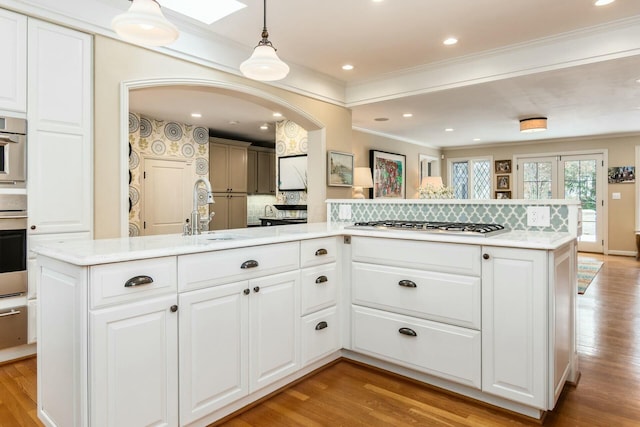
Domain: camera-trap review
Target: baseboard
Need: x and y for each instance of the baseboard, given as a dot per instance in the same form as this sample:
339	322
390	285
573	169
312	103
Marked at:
622	253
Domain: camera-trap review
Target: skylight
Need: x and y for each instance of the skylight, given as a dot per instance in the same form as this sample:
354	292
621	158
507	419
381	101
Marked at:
206	11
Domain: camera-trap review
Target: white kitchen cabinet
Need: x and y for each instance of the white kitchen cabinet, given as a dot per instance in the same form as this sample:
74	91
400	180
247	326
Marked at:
236	339
134	359
515	324
13	73
60	180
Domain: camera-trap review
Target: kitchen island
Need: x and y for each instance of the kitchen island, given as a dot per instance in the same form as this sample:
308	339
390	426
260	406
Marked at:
184	330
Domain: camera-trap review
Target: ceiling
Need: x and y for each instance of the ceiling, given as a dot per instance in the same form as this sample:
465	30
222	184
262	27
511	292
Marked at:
568	60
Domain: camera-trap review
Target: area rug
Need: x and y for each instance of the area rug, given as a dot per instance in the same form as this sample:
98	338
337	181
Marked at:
587	270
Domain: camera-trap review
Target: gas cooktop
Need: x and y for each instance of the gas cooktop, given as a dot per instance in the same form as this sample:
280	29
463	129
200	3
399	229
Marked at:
456	228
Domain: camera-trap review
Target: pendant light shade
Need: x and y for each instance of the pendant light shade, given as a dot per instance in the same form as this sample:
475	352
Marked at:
264	64
145	24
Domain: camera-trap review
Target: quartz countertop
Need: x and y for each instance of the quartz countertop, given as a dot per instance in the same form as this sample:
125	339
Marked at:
103	251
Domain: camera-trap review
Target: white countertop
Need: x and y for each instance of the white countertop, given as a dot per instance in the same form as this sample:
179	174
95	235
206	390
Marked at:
102	251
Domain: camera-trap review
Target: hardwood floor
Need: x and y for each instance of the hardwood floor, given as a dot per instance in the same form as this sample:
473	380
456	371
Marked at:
348	394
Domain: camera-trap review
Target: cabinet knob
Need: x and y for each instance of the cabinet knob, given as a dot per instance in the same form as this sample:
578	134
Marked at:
407	284
322	325
320	252
33	227
256	289
174	308
252	263
321	279
246	291
408	331
486	256
138	281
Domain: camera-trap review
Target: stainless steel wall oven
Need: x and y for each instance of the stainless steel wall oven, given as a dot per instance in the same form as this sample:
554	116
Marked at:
13	149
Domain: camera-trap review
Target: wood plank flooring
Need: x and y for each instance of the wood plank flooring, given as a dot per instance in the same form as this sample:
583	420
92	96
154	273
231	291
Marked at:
348	394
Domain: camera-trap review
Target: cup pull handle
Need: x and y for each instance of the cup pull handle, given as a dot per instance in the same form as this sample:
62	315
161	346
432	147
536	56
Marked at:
322	279
408	331
407	284
322	325
138	281
252	263
320	252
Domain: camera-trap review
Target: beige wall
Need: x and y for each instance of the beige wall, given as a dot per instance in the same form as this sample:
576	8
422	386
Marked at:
363	142
117	62
621	152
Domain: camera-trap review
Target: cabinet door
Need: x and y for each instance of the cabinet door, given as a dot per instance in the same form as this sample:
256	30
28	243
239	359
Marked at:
273	328
237	211
514	325
13	73
133	356
252	172
213	349
264	172
237	169
272	173
59	184
218	167
220	220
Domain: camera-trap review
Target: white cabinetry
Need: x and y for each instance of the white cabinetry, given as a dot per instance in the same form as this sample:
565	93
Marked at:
59	184
238	325
13	73
417	304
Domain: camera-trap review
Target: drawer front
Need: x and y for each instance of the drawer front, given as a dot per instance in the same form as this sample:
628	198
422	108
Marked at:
442	297
132	280
318	251
441	350
442	257
320	335
196	271
319	288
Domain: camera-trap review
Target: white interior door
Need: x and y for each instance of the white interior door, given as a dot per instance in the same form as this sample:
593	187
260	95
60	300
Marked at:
167	195
573	177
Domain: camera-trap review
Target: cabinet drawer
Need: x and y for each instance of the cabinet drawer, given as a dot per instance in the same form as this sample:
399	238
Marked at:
115	283
443	257
320	335
442	350
318	251
198	271
442	297
319	288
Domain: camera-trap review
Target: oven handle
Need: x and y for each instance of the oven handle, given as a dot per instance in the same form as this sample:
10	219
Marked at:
10	138
10	313
19	216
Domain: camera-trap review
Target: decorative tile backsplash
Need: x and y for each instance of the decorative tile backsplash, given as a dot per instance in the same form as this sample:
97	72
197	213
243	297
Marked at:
512	215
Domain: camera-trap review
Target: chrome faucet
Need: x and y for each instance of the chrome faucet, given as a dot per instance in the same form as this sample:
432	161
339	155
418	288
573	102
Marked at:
197	224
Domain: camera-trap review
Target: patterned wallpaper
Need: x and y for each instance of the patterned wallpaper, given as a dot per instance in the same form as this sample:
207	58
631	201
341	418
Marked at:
159	139
291	139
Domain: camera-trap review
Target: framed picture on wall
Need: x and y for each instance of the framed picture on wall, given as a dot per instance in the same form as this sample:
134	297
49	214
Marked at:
339	169
503	166
502	182
292	173
503	194
389	175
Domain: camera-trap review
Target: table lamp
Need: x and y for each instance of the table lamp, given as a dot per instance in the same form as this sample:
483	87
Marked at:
361	179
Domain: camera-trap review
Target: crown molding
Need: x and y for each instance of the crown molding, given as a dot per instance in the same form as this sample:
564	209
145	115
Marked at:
396	138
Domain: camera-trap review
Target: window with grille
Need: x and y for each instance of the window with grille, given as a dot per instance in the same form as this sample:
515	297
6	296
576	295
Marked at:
471	178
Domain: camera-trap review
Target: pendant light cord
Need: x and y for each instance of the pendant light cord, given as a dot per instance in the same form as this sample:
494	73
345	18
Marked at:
265	34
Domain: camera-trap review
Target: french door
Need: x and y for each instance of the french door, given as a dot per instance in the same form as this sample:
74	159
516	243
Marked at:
573	177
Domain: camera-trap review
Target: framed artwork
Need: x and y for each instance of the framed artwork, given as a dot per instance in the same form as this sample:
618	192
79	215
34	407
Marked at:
292	173
339	169
502	182
622	174
389	175
503	166
503	194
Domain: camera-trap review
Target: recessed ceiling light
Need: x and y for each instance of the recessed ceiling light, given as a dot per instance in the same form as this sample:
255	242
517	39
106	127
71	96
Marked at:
264	126
603	2
381	119
450	41
347	67
204	10
196	115
377	1
448	130
638	81
476	140
234	122
277	114
407	115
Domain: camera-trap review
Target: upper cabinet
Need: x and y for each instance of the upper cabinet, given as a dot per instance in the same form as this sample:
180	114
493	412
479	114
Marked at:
228	166
261	172
13	72
60	146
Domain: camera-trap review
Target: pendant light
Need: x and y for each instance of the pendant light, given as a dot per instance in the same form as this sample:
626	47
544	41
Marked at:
145	24
264	64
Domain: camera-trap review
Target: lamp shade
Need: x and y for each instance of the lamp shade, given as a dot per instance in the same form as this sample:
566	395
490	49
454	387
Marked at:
534	124
264	65
145	24
362	178
434	181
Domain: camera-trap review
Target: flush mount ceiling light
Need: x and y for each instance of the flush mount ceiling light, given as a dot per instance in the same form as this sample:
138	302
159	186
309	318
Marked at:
533	124
145	24
264	64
